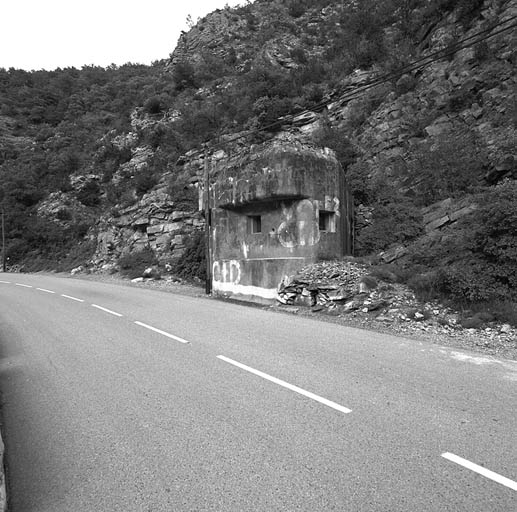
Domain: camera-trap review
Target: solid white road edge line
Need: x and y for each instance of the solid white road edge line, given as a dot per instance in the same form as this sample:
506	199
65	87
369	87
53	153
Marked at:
159	331
481	470
45	290
72	298
106	310
296	389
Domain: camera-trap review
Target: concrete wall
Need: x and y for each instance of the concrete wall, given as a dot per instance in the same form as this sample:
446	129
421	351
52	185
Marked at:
288	190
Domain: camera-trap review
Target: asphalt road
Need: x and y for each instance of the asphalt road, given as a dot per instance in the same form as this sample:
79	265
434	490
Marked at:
124	399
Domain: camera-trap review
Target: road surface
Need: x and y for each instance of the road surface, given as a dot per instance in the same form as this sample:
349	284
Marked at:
127	399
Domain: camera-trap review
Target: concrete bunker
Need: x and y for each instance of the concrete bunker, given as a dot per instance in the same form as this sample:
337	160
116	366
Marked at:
283	207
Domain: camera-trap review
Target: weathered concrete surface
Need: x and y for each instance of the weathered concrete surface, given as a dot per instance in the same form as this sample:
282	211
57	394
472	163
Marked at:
285	207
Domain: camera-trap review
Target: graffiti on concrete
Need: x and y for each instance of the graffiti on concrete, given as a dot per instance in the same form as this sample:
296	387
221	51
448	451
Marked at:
299	227
226	271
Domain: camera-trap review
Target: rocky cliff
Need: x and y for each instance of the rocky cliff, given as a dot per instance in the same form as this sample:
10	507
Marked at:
417	99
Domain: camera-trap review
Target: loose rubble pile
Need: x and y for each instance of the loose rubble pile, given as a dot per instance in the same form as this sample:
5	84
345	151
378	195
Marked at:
322	285
345	289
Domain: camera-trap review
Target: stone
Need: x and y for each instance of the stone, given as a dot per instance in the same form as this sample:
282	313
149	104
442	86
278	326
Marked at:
506	163
301	300
142	221
137	280
505	328
437	129
454	216
393	254
339	295
153	230
172	227
383	318
367	283
438	223
376	304
178	215
476	111
163	240
151	273
352	305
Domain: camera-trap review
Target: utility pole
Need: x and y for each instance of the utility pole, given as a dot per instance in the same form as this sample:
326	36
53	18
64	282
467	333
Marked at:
4	264
208	236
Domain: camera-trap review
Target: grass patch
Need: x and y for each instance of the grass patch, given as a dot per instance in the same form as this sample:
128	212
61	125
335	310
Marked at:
132	265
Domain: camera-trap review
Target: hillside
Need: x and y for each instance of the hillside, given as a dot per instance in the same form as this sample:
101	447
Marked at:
93	161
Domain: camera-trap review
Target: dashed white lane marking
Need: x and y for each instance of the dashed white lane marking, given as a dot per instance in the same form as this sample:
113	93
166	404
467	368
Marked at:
45	290
481	470
296	389
71	298
106	310
5	282
24	285
159	331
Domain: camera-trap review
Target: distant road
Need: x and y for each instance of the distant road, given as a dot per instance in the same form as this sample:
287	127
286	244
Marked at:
124	399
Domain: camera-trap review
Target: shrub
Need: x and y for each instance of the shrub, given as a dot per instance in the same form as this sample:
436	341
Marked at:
296	8
473	322
476	260
462	99
336	139
145	181
504	311
267	111
384	274
64	214
468	10
358	181
488	269
184	195
362	107
298	55
193	262
80	254
392	223
153	106
493	311
90	194
482	51
428	285
133	264
184	75
390	273
450	166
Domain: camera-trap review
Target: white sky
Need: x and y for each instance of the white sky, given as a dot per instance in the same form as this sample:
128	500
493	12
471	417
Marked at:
46	34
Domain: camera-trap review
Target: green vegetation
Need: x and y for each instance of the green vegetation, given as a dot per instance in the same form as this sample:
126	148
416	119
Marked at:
133	264
475	263
52	125
276	58
192	265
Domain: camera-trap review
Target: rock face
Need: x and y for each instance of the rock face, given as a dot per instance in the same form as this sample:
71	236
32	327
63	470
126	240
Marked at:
472	91
153	222
63	208
210	33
